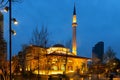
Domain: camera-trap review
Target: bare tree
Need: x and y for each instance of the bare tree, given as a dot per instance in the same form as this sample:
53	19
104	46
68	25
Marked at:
3	3
68	44
109	55
40	38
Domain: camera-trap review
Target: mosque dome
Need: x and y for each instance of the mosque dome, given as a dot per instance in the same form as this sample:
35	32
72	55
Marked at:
58	45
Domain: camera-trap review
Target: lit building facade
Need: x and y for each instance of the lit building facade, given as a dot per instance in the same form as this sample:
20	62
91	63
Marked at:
54	60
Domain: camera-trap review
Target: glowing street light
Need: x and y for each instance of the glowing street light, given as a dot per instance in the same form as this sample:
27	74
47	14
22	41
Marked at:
15	21
6	9
13	32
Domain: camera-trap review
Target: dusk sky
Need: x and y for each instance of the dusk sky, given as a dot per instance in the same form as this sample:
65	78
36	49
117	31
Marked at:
98	20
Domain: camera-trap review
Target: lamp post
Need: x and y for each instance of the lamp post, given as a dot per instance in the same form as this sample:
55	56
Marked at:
9	2
10	37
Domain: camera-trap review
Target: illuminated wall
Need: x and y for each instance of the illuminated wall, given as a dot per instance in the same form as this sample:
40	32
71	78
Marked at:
41	59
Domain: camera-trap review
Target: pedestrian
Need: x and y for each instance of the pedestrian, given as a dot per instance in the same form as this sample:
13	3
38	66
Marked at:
60	77
111	77
50	77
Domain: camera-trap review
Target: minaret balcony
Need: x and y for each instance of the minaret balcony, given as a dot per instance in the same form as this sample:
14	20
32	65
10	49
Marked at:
74	24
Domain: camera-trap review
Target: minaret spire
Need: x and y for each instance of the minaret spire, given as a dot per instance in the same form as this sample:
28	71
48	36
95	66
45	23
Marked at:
74	12
74	25
74	22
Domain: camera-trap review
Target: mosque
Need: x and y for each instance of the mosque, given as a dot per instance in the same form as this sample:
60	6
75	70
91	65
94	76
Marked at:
53	60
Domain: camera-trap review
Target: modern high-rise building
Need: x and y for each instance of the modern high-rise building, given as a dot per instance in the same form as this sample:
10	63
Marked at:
3	44
98	52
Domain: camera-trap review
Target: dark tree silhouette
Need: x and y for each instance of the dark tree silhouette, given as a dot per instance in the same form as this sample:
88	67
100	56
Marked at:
40	38
109	55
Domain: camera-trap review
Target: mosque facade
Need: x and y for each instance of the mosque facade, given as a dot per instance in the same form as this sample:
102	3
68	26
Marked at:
54	60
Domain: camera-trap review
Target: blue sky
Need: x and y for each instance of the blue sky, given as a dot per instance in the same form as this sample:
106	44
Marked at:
98	20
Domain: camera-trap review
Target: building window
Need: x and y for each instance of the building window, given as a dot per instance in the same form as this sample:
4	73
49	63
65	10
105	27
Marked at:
55	68
62	67
70	68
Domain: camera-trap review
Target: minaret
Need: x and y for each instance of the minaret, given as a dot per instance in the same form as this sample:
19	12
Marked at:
74	25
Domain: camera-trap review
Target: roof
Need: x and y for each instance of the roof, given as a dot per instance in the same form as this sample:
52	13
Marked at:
58	45
36	46
66	55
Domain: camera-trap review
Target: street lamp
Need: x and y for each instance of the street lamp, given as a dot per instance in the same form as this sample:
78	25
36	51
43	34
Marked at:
13	32
9	2
14	21
6	9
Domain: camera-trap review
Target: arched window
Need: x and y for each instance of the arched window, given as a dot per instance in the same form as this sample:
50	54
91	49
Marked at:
54	67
